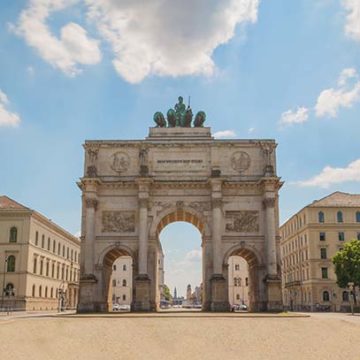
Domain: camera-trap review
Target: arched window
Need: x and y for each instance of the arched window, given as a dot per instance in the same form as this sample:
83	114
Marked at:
339	216
11	263
345	296
321	217
33	291
326	296
9	290
124	283
358	216
13	234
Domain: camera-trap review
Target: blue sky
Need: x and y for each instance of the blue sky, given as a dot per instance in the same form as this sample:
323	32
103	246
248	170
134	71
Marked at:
71	70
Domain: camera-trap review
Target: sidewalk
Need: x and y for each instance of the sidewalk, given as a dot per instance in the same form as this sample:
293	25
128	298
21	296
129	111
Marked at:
28	314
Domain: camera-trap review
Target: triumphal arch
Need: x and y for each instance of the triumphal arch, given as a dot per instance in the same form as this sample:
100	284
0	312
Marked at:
131	190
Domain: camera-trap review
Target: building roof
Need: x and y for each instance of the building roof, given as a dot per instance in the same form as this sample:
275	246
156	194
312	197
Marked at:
8	204
338	199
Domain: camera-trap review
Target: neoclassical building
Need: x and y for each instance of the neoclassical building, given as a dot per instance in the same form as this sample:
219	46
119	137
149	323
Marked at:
309	239
39	260
132	189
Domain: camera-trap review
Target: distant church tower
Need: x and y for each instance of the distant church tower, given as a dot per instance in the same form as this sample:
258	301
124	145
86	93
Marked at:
188	292
175	293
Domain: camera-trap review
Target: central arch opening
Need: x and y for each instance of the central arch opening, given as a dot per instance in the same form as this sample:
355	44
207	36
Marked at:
180	236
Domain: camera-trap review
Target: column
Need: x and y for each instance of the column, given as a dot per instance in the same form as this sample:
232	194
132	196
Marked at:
91	205
269	205
143	236
216	235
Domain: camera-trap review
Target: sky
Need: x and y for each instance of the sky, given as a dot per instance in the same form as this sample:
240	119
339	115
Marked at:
72	70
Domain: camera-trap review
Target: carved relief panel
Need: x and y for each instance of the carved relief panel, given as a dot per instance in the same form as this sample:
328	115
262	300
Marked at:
118	221
246	221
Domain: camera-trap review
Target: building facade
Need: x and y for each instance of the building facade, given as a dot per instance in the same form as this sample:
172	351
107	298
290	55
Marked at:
238	281
39	261
122	281
132	189
309	240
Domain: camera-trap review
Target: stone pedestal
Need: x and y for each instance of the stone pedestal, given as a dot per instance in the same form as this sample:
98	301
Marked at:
274	297
87	291
142	301
219	293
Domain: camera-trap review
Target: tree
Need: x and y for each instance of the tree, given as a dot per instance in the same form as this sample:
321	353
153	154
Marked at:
347	265
166	292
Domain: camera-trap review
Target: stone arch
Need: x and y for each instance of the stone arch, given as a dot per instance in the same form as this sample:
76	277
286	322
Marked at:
255	263
173	214
105	262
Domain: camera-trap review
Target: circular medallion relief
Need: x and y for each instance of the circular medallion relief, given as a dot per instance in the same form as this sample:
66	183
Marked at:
240	161
120	162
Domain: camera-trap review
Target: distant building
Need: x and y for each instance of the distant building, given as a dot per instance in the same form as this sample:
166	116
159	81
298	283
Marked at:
238	281
39	260
121	283
309	240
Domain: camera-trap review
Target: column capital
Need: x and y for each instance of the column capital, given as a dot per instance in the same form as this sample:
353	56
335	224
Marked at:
91	203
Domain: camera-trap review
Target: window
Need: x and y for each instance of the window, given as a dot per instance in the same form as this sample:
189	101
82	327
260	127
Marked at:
52	270
63	252
358	235
35	265
9	289
41	266
322	236
323	253
341	236
339	217
124	267
326	296
246	281
321	217
124	282
46	291
58	271
237	296
72	255
13	234
48	247
62	272
235	281
114	267
40	291
114	282
67	253
33	291
54	246
52	292
43	241
11	263
345	296
237	267
59	247
47	268
357	216
324	273
37	238
124	297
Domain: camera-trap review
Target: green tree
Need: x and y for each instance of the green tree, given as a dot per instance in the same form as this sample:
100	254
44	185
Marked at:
347	265
166	292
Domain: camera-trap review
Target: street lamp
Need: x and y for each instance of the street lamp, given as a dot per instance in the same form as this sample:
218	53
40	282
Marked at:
61	294
3	287
351	287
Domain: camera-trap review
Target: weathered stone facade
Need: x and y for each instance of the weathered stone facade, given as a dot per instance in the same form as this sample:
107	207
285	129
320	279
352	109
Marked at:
228	189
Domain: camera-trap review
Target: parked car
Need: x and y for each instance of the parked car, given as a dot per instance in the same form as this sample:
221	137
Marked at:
120	307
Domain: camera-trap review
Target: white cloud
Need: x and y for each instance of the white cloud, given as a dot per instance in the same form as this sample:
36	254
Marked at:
352	26
251	130
291	117
225	134
330	175
193	255
158	37
7	118
74	47
345	95
30	70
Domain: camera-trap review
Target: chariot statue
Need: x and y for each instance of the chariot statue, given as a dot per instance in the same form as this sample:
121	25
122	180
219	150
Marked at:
180	116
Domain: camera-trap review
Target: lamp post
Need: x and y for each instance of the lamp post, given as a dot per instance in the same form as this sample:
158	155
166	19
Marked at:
351	287
3	284
61	294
